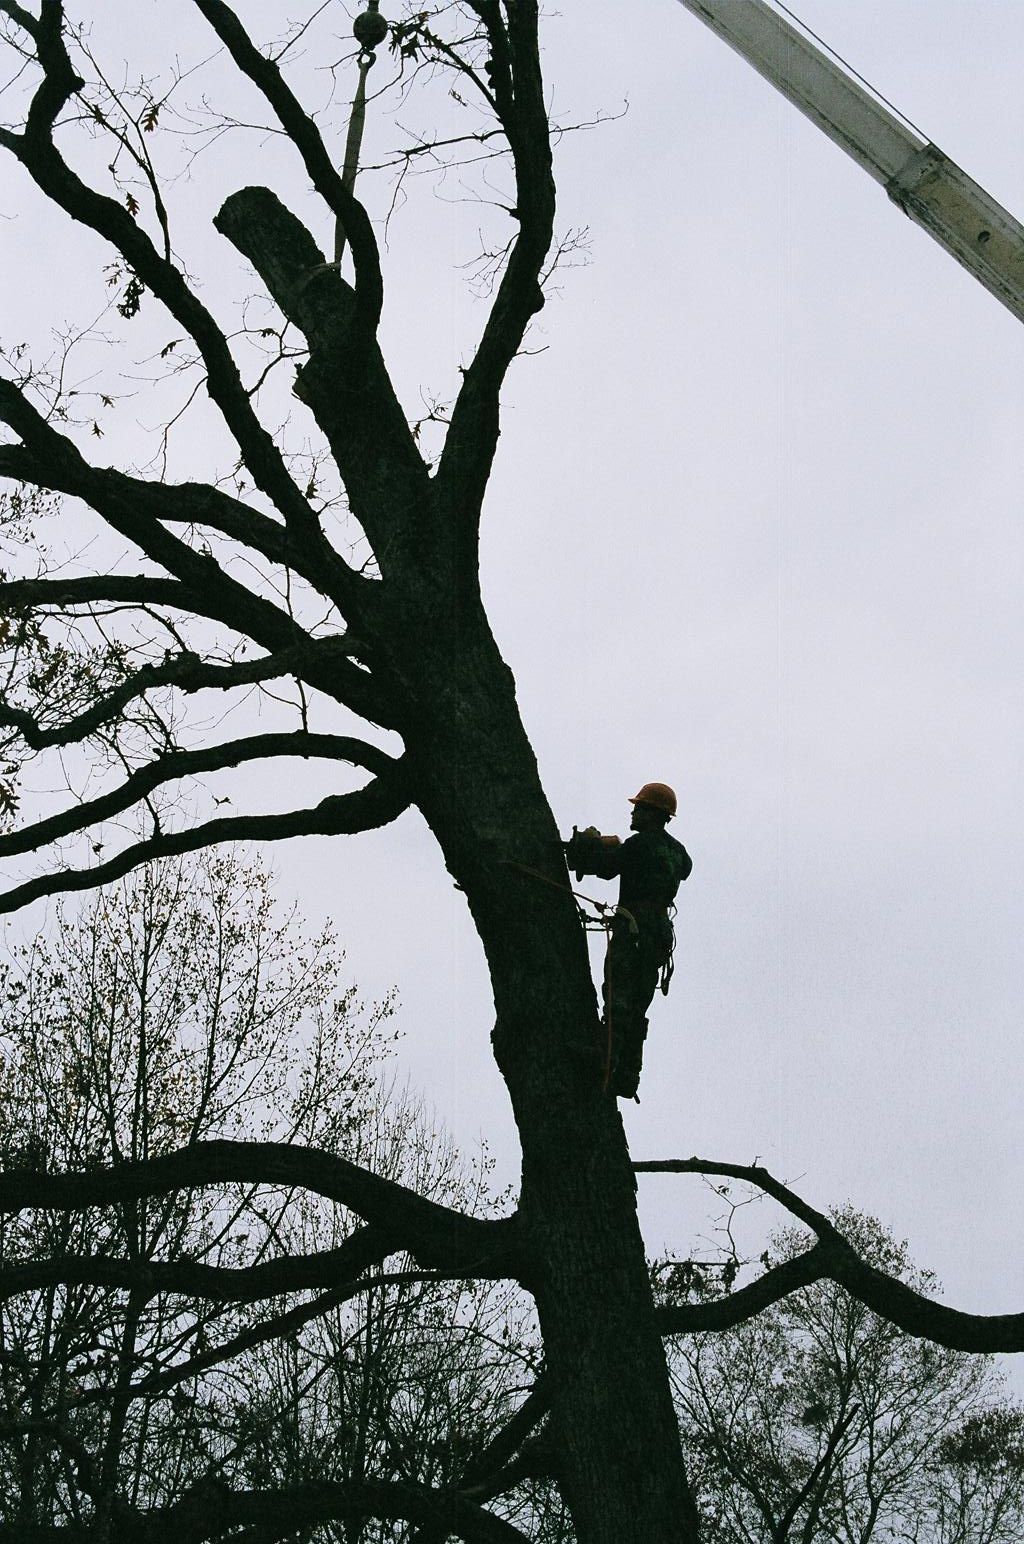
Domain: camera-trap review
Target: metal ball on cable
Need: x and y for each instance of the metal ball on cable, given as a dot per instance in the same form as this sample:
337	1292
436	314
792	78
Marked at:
369	29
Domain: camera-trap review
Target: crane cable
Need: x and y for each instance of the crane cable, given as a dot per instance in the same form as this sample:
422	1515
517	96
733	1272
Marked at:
370	30
849	68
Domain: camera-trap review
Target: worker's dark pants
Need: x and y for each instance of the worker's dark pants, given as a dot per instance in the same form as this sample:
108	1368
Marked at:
631	970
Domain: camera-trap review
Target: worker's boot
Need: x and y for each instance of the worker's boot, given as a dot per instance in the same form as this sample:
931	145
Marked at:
625	1078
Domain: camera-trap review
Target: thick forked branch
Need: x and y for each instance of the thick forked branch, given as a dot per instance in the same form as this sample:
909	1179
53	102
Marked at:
37	152
833	1258
181	764
344	382
378	804
305	136
519	95
437	1236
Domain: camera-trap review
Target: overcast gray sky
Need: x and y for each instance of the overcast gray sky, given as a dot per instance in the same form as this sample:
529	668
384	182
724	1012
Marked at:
755	530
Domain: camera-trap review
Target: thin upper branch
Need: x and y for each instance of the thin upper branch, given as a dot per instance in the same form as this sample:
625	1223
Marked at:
519	96
834	1258
323	664
199	505
37	152
123	503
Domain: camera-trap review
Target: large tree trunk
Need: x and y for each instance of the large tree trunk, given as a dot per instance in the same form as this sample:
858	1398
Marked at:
478	786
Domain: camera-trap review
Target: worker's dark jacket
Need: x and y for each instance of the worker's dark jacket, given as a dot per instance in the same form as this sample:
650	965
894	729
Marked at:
651	866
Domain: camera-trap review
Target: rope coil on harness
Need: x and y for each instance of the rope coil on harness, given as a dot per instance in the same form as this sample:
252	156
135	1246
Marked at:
370	29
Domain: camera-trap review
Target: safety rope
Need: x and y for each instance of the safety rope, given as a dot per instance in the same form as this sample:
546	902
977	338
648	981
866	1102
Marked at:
606	914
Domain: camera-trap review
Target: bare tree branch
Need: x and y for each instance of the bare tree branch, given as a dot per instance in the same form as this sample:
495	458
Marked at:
323	661
519	97
506	1442
203	1517
37	152
181	764
722	1313
753	1174
190	1278
380	802
495	1470
123	504
24	18
834	1257
279	1327
61	1437
195	504
212	1510
138	589
305	136
436	1236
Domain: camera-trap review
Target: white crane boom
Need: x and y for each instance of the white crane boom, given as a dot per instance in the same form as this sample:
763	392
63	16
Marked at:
926	184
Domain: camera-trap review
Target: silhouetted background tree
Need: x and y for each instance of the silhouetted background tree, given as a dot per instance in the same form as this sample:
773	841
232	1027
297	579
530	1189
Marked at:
166	1355
818	1420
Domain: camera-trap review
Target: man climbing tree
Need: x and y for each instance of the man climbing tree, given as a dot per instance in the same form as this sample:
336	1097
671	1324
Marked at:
650	866
316	548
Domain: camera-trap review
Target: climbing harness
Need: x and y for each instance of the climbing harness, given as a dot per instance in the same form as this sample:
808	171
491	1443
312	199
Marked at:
370	30
604	920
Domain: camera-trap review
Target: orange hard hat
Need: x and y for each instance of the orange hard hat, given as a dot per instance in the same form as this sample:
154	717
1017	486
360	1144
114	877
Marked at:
659	796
